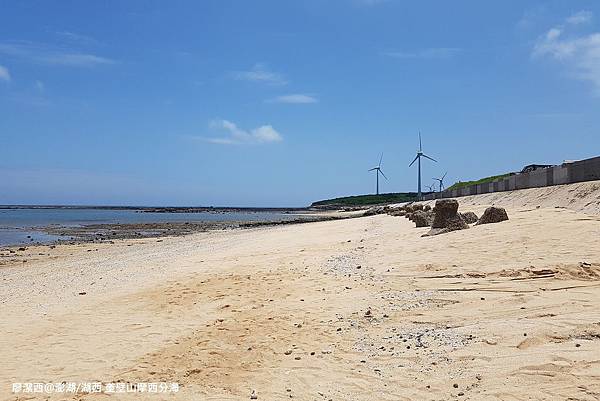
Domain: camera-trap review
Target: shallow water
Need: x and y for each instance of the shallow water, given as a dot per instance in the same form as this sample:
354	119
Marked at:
21	226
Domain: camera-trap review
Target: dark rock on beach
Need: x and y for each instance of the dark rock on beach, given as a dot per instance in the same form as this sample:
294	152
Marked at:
469	217
446	218
493	215
421	218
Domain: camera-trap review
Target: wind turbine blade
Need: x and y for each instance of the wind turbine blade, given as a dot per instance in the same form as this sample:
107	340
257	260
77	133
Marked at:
430	158
420	145
444	176
374	168
383	174
413	162
381	158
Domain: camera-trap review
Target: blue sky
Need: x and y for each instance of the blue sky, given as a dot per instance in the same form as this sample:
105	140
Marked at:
280	103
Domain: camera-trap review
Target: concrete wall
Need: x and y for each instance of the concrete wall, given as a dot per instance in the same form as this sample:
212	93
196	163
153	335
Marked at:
560	175
583	170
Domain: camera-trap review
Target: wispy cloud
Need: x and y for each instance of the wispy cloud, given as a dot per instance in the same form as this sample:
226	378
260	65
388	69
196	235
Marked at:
296	98
581	17
4	74
77	38
430	53
233	135
51	55
261	73
579	53
39	85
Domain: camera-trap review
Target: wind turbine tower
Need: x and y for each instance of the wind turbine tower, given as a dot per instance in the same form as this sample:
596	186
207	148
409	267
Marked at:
378	171
441	181
417	159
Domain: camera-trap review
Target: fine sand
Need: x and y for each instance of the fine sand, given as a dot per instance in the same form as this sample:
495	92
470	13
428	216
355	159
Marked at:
357	309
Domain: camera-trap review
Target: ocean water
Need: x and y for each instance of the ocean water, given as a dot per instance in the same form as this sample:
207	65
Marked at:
21	226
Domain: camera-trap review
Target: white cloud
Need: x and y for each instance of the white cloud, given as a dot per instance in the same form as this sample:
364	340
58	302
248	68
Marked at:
260	73
431	53
579	53
237	136
4	74
39	85
44	54
296	98
581	17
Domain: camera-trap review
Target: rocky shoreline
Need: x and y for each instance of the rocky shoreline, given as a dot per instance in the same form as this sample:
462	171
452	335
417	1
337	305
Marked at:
109	232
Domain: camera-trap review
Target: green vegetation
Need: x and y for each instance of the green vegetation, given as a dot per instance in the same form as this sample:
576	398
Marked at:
365	200
480	181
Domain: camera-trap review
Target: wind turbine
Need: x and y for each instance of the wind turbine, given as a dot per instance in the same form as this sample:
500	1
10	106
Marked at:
378	171
441	181
418	159
430	187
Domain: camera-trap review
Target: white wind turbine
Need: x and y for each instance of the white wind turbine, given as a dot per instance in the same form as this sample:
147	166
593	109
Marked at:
378	171
418	159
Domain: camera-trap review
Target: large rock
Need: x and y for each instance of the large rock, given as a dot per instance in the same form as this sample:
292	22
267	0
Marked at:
493	215
446	218
444	210
469	217
421	218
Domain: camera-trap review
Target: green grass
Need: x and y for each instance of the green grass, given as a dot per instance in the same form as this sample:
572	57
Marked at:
365	200
480	181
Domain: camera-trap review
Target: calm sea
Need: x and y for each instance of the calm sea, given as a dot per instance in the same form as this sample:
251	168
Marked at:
20	226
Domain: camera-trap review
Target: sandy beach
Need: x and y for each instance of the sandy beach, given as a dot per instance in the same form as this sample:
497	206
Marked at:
355	309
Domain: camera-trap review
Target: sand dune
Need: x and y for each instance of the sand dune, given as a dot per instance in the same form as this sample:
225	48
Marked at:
359	309
582	197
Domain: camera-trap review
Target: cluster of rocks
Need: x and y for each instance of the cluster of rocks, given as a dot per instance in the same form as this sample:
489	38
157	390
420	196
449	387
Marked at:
444	217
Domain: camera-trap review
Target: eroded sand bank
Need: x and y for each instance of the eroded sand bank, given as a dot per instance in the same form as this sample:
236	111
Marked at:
368	309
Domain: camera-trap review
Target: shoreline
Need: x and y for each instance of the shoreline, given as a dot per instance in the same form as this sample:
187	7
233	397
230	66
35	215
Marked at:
106	232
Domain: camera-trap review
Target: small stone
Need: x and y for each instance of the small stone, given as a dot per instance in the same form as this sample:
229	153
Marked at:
461	394
297	358
288	352
578	345
82	293
253	395
339	329
455	385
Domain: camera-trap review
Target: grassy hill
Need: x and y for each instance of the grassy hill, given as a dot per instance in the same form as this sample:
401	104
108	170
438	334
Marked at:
480	181
365	200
